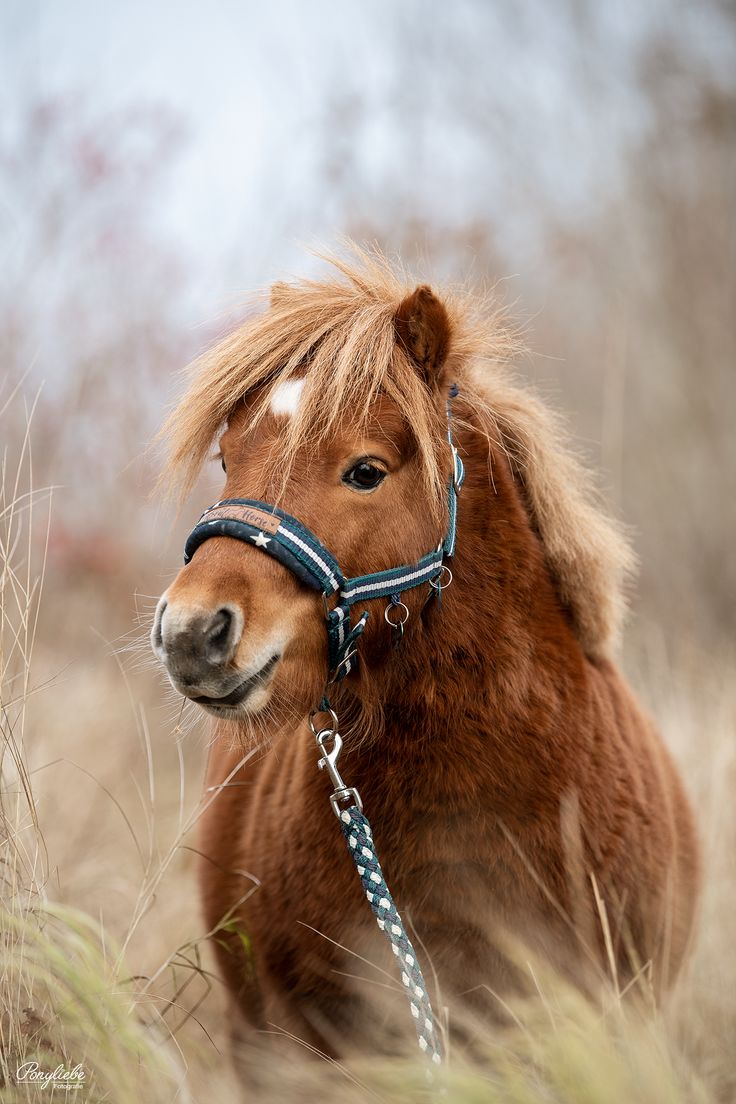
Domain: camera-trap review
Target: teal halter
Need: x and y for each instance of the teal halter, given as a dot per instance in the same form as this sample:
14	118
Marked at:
295	546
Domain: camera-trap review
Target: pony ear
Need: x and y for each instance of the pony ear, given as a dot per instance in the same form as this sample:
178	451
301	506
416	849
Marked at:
423	328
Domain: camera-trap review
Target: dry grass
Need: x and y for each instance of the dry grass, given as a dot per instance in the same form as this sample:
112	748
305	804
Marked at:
103	962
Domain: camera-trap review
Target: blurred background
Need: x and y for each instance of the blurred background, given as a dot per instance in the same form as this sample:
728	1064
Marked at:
159	161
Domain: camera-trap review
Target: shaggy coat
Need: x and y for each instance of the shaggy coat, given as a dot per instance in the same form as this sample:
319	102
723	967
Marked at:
519	796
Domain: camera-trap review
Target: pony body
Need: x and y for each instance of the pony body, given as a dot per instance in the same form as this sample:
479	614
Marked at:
514	786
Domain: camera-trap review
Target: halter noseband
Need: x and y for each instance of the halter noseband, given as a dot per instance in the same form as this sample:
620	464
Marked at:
295	546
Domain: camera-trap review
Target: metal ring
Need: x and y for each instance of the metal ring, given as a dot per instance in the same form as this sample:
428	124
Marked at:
323	731
396	606
322	735
438	586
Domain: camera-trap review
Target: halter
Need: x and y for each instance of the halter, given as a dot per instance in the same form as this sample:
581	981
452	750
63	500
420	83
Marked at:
289	541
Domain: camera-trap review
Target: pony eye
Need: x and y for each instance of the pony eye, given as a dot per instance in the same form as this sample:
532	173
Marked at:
224	465
364	476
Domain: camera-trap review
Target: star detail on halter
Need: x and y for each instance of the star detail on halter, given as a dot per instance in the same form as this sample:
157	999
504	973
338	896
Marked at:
261	540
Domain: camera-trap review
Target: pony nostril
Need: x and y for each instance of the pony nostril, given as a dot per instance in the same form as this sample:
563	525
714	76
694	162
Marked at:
157	638
221	636
219	630
190	642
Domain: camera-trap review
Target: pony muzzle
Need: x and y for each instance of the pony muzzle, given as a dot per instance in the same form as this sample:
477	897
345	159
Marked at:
198	646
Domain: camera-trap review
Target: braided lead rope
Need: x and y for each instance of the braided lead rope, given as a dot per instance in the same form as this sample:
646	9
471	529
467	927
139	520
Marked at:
357	832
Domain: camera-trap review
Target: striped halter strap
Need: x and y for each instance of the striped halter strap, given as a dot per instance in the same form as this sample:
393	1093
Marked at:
296	547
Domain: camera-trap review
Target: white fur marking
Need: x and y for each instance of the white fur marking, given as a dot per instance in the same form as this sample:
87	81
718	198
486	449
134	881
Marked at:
286	396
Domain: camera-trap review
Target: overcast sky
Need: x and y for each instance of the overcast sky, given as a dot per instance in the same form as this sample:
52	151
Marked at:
255	85
248	81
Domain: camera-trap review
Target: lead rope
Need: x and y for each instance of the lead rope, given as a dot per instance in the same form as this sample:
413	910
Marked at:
359	838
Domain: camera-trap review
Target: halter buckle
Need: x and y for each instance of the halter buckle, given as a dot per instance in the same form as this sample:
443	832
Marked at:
338	674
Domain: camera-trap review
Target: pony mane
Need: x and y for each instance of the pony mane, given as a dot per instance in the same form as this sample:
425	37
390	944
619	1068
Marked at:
340	336
587	551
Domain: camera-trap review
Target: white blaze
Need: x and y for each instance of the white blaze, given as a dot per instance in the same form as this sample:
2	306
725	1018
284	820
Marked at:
286	396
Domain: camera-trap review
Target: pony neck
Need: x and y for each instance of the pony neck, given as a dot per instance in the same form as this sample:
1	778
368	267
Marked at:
501	638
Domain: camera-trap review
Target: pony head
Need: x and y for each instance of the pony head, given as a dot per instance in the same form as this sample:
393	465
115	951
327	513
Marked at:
332	406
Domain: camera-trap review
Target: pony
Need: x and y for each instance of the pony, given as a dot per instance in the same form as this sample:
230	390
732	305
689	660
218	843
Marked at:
517	790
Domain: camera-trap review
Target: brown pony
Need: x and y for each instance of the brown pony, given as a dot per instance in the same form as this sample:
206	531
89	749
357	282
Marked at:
512	781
